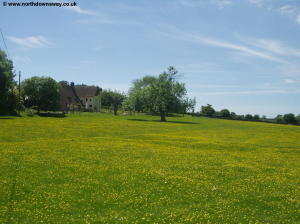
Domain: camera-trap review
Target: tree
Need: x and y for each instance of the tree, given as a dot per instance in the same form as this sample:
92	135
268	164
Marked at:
225	113
189	105
298	119
256	117
279	119
249	117
240	117
207	110
161	95
138	95
40	92
289	119
165	94
8	98
233	115
112	99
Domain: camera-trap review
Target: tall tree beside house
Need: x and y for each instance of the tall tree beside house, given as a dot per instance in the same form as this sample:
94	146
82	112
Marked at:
40	92
112	99
8	98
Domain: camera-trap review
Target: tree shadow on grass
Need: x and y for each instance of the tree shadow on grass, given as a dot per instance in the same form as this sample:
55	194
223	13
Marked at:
4	118
175	122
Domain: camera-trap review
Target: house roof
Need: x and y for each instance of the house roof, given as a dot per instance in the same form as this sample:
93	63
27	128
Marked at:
67	94
86	91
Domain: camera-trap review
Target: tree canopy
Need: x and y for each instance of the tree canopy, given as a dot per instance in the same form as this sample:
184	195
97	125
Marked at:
7	85
207	110
138	94
112	99
40	92
225	113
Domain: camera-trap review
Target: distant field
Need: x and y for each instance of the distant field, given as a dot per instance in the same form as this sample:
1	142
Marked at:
97	168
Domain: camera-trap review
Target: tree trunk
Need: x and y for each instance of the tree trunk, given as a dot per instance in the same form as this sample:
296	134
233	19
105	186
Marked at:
115	110
163	116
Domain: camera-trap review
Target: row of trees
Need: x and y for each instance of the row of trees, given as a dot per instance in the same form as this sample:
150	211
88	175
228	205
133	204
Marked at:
209	111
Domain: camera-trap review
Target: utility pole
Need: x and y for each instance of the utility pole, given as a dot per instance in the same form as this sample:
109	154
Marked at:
20	87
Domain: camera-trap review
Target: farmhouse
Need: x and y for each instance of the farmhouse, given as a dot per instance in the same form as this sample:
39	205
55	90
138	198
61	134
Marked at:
79	97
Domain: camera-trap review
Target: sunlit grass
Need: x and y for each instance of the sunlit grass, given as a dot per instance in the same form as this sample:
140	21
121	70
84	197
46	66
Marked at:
97	168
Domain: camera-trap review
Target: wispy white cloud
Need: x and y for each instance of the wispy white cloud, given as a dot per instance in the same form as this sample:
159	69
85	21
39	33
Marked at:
221	3
189	3
290	81
271	45
31	42
298	19
258	3
204	40
99	17
79	10
291	10
288	10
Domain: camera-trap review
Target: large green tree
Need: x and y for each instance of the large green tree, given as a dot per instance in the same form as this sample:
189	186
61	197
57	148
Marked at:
7	85
112	99
166	94
40	92
162	95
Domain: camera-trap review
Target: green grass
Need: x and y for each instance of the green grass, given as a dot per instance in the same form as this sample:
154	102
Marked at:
97	168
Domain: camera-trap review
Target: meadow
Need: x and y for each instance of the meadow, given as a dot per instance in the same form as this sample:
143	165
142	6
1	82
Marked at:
100	168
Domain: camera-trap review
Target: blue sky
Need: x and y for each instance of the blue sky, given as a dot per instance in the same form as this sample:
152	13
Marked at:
243	55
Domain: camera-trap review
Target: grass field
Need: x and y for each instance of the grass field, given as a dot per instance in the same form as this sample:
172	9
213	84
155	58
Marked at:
97	168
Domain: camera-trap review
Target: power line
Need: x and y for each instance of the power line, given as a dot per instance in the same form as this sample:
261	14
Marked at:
4	43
